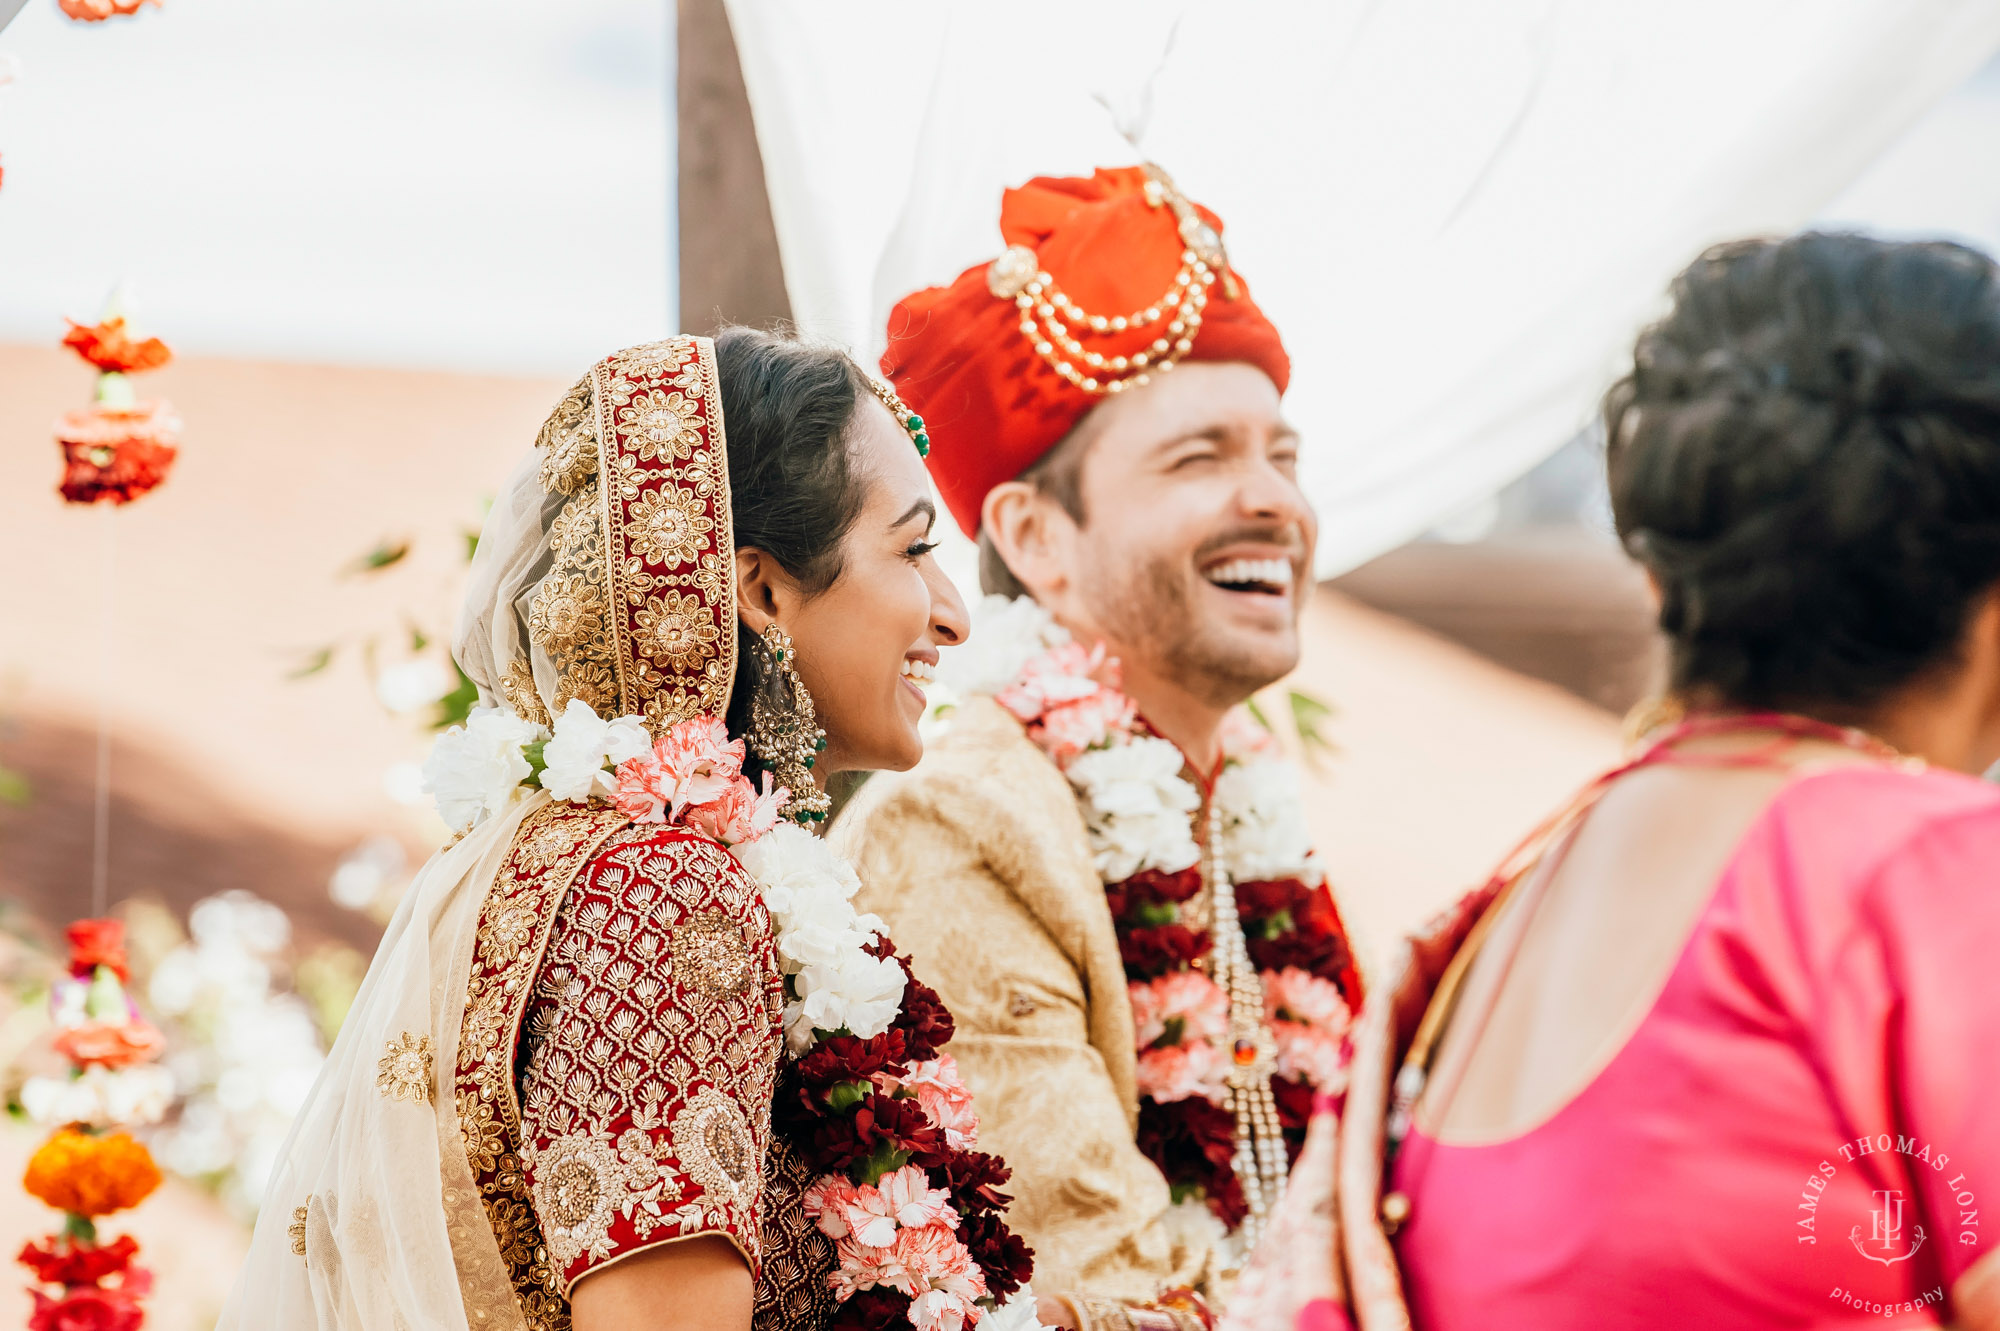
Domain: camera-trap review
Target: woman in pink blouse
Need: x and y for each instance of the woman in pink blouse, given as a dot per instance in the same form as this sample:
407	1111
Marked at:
1720	1047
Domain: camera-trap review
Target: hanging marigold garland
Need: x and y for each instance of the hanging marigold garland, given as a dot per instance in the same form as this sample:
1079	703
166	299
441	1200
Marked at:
119	447
91	1166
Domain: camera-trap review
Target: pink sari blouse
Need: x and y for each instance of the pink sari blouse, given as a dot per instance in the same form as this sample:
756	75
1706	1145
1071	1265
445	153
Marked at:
1803	1131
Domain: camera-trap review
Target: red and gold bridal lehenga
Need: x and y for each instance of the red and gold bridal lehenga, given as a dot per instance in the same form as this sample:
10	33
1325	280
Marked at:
1798	1132
571	1043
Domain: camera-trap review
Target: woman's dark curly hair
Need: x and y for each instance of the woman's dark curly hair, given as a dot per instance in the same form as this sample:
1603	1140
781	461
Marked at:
1806	456
787	407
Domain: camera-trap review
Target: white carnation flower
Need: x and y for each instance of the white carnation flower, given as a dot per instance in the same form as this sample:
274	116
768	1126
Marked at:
1136	806
1018	1313
1007	634
859	992
101	1097
1264	832
583	743
475	769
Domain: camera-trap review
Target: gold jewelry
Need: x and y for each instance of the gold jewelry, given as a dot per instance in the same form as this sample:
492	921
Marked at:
1018	274
912	424
783	733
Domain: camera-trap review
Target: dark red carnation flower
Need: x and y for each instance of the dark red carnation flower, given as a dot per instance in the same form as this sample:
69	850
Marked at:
1258	901
843	1058
1157	949
1151	886
878	1309
1295	1102
974	1180
1194	1142
58	1261
925	1022
900	1125
1007	1262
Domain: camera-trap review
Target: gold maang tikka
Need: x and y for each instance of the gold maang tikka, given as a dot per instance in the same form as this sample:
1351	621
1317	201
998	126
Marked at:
784	733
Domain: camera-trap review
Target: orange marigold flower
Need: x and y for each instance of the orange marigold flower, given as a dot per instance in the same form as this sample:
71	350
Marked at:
113	1044
89	1175
110	348
94	943
116	453
96	11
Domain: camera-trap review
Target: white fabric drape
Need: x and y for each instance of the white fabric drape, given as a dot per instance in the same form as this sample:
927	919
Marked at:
1457	211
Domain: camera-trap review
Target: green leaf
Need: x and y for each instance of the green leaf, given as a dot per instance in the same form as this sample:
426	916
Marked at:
312	664
1155	913
385	554
471	543
418	639
886	1160
847	1094
1257	713
1309	715
14	787
454	707
537	763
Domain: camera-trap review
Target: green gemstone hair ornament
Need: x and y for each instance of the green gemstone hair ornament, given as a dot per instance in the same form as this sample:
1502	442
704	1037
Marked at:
912	423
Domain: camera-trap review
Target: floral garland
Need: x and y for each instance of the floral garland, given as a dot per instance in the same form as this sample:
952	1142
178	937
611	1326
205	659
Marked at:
870	1101
90	1166
119	447
1140	810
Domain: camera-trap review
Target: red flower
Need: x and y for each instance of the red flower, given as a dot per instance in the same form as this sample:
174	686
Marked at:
974	1179
1005	1260
96	11
925	1022
89	1308
1295	1102
1157	949
94	943
1262	900
1193	1141
59	1261
878	1309
107	345
116	453
844	1058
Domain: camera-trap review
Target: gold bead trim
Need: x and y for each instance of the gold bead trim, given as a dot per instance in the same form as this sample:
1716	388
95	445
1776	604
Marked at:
1055	325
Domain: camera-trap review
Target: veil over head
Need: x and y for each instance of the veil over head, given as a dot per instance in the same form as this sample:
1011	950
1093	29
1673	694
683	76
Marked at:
605	574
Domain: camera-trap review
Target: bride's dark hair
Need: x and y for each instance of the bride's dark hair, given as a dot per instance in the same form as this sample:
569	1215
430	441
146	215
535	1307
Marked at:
787	406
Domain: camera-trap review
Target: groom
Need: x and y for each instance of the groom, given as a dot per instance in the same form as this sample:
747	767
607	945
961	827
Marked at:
1105	401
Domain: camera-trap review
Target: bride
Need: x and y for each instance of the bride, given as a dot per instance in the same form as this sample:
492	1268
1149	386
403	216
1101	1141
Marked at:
627	1056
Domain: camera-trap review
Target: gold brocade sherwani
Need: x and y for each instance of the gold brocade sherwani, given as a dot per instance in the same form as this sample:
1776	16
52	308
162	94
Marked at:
979	862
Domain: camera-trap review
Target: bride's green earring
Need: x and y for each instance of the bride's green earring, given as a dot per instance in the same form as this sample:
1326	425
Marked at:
784	734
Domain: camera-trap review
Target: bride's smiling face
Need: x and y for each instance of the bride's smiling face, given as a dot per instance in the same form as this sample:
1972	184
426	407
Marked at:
867	643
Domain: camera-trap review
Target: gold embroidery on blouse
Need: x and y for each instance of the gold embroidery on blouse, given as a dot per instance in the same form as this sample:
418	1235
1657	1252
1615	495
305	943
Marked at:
297	1230
709	955
405	1070
714	1145
496	994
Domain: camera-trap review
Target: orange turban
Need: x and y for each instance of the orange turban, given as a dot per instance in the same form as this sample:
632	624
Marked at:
1138	280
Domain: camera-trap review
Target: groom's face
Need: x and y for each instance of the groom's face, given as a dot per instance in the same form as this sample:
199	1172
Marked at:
1194	552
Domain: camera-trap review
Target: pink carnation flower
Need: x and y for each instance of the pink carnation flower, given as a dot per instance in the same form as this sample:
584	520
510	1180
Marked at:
930	1258
1178	1006
1077	727
693	763
1311	1054
874	1216
1243	738
945	1099
1297	995
1064	674
739	814
1181	1071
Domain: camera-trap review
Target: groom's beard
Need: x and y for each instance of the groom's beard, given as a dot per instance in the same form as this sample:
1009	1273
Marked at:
1162	614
